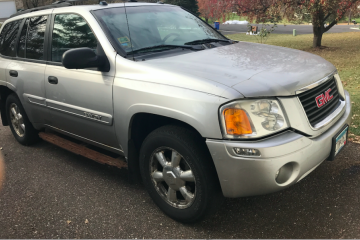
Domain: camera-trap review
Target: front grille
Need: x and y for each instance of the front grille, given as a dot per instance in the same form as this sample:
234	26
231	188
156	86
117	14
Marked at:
313	112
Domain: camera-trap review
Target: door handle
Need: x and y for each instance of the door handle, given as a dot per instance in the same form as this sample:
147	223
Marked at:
13	73
53	80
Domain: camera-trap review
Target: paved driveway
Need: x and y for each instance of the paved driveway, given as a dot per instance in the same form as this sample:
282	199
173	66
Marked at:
288	29
48	187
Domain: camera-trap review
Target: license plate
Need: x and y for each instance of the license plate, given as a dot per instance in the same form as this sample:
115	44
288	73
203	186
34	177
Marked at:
339	141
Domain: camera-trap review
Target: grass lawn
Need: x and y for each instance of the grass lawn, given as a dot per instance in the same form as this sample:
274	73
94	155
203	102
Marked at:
346	20
343	51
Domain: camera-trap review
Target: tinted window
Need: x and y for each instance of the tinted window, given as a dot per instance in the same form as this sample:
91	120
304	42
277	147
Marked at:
35	38
22	40
71	31
8	37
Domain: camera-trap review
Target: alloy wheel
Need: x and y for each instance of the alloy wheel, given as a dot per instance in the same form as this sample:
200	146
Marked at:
172	177
17	120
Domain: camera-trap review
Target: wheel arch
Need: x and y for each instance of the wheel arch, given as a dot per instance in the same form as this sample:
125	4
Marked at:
140	126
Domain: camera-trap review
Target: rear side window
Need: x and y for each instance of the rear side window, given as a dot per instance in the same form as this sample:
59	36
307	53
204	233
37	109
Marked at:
8	37
31	41
35	38
70	31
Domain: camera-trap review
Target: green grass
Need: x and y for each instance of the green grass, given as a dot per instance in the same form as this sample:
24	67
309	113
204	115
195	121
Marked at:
346	20
342	50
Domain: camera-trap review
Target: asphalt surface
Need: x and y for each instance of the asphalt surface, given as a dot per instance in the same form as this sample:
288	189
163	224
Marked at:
52	193
288	29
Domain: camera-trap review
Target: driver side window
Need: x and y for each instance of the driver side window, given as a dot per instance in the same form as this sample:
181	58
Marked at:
71	31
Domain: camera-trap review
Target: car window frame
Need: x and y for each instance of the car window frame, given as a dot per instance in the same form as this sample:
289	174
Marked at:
45	40
51	29
17	36
45	54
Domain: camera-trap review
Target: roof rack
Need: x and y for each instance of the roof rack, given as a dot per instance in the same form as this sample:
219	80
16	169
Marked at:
58	4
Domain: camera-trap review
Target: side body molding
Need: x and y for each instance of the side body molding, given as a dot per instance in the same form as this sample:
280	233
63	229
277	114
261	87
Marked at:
91	115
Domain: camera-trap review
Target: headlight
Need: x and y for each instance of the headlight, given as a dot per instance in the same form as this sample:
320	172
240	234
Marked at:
252	118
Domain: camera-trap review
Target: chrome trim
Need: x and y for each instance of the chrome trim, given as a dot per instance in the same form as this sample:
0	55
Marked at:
35	99
340	86
79	111
335	113
106	147
313	85
329	118
340	109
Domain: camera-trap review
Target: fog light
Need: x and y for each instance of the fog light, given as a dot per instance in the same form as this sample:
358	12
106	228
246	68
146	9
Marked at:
284	173
247	152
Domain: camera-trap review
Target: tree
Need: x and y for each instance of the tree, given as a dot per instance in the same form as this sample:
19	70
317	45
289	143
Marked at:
31	3
320	11
205	9
190	5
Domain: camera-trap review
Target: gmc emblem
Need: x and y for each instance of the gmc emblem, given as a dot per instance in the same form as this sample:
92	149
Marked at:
322	99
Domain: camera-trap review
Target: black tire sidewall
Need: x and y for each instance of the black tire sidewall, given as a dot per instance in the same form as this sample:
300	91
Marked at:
189	148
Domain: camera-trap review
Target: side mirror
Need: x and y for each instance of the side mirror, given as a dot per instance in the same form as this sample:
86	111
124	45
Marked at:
80	58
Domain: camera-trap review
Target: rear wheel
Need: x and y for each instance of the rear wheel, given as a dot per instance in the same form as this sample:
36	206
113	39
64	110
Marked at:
179	175
20	125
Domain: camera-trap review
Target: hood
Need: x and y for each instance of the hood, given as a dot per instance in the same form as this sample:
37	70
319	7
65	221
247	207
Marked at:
252	69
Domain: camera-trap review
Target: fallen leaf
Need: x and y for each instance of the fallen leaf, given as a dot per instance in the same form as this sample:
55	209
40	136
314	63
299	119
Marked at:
86	221
68	221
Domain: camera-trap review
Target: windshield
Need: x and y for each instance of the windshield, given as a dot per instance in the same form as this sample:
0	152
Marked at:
153	26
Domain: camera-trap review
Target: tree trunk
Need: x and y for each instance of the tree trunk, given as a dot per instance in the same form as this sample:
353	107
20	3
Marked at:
349	17
206	20
318	33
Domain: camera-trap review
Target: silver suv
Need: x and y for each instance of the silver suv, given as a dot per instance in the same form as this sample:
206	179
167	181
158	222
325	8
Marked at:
197	115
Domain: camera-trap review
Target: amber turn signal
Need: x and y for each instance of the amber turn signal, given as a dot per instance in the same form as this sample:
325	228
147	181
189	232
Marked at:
237	122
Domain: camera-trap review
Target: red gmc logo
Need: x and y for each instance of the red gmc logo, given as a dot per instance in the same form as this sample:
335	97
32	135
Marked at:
322	99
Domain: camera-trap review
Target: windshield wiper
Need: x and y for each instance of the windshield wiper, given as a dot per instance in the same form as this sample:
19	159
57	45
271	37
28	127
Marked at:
164	47
208	40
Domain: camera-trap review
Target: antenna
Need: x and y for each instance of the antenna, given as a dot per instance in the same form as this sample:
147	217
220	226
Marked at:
127	20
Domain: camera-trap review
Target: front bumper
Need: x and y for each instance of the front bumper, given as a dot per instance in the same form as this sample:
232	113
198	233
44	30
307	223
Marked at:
241	177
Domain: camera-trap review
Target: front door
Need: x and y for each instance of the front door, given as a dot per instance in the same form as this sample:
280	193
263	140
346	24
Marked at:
79	101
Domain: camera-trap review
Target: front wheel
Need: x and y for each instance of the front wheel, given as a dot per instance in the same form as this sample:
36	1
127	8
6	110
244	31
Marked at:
179	174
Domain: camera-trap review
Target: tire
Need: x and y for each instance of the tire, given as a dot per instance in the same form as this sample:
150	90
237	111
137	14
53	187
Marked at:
188	189
20	126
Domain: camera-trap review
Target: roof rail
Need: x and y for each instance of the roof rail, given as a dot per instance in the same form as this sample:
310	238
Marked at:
54	5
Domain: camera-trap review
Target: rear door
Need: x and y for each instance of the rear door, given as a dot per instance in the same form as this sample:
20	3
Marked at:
8	36
79	101
25	73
